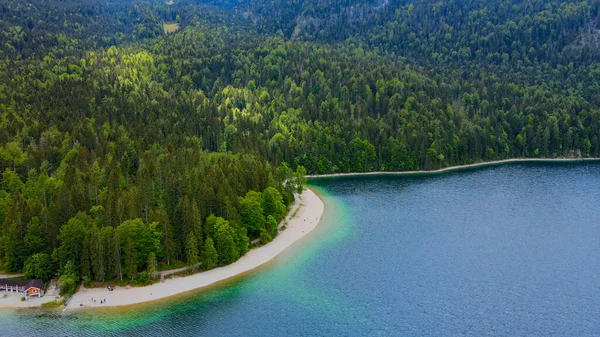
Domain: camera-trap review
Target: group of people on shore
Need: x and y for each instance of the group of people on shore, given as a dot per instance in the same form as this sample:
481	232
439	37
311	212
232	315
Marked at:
101	301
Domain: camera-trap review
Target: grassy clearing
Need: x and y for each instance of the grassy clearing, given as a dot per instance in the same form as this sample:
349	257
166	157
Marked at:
54	304
171	27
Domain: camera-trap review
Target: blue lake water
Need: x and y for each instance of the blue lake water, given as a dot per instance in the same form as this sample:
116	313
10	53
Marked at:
506	250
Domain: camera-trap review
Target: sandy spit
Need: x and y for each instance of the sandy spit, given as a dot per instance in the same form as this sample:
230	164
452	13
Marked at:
311	209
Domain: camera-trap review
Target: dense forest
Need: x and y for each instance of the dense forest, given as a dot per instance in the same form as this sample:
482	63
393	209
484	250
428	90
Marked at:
124	146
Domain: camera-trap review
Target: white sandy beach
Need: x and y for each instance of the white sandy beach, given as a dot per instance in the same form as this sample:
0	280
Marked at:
454	168
311	209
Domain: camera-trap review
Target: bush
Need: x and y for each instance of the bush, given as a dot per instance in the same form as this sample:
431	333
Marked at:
265	237
53	304
87	281
271	226
68	280
67	284
142	279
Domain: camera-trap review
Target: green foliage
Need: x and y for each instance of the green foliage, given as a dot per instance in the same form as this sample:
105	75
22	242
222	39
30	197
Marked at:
211	224
191	250
209	256
98	254
138	240
53	304
142	279
15	251
265	237
39	266
299	178
243	242
11	182
35	238
225	238
72	237
130	257
119	143
252	212
87	281
68	280
271	227
272	203
151	264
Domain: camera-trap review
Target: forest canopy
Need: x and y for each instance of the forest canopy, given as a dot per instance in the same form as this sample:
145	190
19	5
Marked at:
123	145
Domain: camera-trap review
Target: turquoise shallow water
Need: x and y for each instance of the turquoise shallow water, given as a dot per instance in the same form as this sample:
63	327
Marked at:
507	250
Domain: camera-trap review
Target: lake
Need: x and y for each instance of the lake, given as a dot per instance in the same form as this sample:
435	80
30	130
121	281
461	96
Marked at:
504	250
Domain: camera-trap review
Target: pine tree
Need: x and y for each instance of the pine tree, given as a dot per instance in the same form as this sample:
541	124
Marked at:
85	261
196	223
130	259
107	238
191	250
209	255
243	241
97	254
35	238
116	255
226	247
151	264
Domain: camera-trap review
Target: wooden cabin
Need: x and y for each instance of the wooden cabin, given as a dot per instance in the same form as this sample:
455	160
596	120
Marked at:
28	287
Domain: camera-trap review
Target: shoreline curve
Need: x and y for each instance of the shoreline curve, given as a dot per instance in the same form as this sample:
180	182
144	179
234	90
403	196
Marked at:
454	168
308	216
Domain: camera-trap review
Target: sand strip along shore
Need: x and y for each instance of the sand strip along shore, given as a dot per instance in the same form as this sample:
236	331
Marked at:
307	219
13	300
454	168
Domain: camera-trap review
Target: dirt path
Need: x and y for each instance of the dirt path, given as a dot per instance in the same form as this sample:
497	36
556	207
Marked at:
173	271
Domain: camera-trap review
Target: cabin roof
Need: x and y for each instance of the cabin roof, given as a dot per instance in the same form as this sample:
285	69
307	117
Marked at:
23	283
